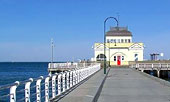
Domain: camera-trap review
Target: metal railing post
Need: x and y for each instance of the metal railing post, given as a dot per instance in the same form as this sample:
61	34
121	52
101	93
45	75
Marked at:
67	80
160	65
74	77
54	86
86	73
71	78
38	89
59	84
82	74
63	83
13	92
27	90
78	76
47	89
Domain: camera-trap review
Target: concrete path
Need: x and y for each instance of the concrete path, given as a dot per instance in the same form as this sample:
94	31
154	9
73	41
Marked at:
121	85
86	91
127	85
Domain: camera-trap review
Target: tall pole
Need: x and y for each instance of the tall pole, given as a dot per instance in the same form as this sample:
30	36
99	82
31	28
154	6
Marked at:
52	48
105	40
109	54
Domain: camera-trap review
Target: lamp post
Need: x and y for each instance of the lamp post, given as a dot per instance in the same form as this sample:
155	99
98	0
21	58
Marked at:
109	54
105	39
52	48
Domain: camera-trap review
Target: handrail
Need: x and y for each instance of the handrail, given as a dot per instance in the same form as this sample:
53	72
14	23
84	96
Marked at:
54	85
69	65
151	65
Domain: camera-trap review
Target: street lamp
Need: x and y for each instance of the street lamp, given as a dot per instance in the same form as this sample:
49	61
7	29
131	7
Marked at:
109	54
105	39
52	48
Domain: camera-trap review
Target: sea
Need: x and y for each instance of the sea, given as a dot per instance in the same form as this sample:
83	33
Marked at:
20	71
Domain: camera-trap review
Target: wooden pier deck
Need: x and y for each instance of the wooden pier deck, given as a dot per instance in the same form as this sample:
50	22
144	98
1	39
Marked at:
121	85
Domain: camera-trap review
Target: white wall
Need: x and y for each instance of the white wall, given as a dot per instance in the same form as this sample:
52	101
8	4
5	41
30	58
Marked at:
127	53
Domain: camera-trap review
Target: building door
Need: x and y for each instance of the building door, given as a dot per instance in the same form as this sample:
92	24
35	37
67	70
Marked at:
118	60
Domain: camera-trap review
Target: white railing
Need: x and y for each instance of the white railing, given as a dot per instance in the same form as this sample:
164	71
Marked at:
151	65
69	65
47	87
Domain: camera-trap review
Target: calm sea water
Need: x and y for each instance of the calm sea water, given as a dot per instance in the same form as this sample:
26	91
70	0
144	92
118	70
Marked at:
19	71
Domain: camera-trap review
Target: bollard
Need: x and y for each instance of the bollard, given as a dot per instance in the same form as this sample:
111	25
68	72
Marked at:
47	89
13	92
63	83
54	86
71	78
27	90
38	89
59	84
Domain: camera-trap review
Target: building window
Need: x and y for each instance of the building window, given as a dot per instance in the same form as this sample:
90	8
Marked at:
123	58
114	58
125	40
114	41
129	40
111	41
108	41
101	57
122	41
136	57
118	40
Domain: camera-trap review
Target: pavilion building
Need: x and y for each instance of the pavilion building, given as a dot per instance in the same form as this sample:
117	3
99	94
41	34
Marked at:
120	48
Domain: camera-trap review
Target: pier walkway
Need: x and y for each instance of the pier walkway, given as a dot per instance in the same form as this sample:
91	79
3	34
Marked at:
86	91
121	85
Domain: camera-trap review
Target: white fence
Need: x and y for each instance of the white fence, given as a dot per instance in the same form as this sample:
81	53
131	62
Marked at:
151	65
48	87
69	65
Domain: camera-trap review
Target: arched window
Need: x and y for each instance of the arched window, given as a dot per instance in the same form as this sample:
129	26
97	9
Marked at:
100	57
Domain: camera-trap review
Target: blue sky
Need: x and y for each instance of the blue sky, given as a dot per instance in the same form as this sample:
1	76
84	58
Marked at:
26	27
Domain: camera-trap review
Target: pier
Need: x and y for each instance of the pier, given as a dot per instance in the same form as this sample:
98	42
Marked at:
121	85
156	69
